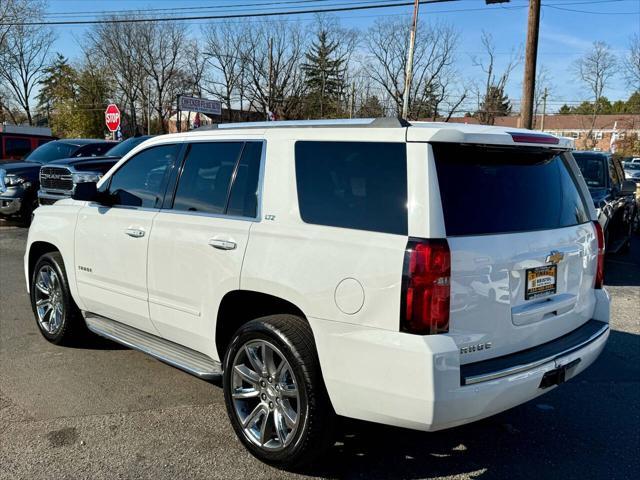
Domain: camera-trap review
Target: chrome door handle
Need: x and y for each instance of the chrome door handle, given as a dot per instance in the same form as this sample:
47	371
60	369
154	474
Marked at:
222	244
134	232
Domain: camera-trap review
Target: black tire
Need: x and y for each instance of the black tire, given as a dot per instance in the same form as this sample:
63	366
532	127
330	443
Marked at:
72	326
293	338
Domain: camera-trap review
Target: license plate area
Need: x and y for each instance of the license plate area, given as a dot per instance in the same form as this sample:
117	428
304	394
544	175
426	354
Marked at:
541	281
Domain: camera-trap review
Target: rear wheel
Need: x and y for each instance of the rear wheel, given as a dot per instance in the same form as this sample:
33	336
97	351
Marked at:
274	393
58	318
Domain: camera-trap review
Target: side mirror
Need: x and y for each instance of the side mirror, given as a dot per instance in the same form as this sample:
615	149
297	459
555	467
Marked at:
85	191
628	187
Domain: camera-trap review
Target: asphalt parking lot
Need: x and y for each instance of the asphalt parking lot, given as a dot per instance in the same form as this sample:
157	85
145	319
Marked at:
103	411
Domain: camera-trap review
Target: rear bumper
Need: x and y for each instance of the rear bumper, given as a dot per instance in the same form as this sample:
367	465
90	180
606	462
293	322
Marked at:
529	359
416	382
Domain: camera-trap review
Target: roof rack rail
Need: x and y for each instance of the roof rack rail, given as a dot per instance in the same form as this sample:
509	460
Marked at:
382	122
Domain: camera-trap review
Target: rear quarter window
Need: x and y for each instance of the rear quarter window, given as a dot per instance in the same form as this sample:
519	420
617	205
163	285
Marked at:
487	190
357	185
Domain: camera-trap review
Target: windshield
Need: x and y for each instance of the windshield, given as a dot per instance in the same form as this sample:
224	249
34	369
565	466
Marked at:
123	148
50	151
593	169
632	166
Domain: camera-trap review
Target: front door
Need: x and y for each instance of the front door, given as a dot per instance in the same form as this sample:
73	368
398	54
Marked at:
112	241
198	243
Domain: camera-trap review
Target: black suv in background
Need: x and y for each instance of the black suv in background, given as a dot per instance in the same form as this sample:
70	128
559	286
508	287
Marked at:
19	181
58	179
613	197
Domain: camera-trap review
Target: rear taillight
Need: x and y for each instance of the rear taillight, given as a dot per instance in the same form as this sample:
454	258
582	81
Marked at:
426	287
600	270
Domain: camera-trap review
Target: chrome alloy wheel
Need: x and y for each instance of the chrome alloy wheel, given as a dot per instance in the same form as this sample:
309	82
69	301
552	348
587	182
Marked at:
49	299
265	395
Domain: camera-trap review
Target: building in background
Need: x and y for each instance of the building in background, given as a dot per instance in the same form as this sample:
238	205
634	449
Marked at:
626	127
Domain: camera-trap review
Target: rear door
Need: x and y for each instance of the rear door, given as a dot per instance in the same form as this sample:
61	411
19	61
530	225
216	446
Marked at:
199	239
523	248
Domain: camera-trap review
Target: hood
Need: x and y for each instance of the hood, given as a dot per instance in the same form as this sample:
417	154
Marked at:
30	169
87	164
67	162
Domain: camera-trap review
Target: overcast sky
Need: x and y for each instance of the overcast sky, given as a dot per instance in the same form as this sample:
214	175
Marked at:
567	30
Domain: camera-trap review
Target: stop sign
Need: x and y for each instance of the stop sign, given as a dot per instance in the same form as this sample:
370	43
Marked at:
112	117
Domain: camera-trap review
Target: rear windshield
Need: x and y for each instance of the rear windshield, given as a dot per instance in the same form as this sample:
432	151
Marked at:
593	168
487	190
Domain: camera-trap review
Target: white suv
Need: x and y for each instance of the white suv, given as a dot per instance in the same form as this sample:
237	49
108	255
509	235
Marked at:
423	276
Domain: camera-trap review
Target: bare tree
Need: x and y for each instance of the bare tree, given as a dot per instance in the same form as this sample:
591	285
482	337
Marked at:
543	86
195	66
595	70
494	101
115	48
224	50
632	63
12	11
24	53
162	48
274	81
434	75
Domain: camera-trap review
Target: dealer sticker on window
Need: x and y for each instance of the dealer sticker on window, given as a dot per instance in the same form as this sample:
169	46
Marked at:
541	281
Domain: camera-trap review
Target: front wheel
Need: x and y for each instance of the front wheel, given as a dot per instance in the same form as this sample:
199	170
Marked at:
274	393
59	319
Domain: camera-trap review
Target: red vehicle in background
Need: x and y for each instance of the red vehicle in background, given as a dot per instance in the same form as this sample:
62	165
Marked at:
16	141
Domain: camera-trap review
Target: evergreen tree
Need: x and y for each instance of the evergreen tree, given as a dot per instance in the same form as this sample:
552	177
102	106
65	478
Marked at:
565	110
93	94
58	84
74	100
325	71
371	108
496	103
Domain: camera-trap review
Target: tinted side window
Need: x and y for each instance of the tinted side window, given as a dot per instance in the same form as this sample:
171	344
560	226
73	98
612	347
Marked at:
359	185
613	174
619	169
16	147
93	150
142	180
204	183
243	201
488	190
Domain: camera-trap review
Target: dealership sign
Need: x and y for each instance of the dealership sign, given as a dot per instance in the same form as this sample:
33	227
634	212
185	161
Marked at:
112	117
202	105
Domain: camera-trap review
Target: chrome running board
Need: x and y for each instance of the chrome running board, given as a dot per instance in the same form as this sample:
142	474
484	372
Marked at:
184	358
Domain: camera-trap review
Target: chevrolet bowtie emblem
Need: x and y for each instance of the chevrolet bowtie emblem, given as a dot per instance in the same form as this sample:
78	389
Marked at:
554	257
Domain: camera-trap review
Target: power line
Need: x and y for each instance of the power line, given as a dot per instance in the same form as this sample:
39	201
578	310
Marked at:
222	17
224	8
591	12
337	8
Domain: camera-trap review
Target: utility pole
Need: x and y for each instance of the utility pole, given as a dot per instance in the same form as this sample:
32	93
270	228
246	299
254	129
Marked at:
409	71
148	106
544	108
269	105
352	100
531	55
